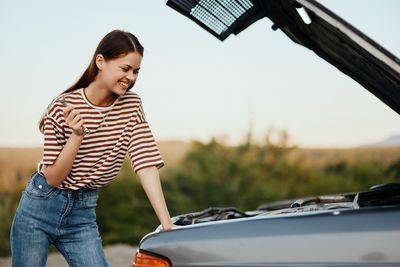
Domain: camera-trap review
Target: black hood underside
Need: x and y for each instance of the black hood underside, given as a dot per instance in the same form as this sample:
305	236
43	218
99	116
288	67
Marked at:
329	36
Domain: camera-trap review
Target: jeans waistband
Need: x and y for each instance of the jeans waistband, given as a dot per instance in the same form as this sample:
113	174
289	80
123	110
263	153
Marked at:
38	180
81	193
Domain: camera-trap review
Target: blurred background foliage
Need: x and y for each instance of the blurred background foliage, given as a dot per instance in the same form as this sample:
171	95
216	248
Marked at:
214	174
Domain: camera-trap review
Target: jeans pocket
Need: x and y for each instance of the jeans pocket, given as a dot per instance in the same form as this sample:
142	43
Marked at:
38	187
91	202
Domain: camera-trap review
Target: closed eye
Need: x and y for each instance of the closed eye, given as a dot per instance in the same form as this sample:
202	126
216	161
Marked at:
127	68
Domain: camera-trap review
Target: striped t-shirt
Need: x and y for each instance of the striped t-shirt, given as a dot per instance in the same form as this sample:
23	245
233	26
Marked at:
113	131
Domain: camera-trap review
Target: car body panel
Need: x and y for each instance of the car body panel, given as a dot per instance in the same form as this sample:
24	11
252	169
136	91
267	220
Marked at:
327	238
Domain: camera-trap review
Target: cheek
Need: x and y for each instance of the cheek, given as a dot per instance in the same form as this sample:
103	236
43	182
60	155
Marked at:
112	77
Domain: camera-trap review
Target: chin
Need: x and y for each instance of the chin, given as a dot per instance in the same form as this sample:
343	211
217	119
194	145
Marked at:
120	92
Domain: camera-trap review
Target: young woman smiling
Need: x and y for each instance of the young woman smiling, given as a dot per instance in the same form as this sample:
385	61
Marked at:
88	130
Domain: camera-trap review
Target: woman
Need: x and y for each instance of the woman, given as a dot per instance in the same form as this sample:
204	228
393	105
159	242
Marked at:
87	131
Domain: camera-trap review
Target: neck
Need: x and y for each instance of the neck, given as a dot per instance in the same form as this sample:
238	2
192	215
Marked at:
99	95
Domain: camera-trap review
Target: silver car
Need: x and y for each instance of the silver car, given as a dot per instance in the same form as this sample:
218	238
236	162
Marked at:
349	229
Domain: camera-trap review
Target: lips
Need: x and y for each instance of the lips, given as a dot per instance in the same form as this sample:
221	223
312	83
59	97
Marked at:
124	84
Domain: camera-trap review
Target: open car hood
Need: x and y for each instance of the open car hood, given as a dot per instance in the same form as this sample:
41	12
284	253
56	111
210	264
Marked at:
378	196
329	36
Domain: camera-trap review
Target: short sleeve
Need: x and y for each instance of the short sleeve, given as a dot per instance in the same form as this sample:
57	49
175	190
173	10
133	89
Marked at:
54	136
142	149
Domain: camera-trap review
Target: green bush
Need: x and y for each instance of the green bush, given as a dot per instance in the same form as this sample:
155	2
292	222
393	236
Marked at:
8	205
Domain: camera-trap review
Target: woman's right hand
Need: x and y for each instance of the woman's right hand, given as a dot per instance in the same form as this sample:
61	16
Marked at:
74	120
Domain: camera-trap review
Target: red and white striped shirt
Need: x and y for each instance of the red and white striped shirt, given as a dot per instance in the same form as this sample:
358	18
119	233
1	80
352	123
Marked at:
113	131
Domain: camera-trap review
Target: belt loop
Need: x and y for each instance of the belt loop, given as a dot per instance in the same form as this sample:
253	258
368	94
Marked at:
80	194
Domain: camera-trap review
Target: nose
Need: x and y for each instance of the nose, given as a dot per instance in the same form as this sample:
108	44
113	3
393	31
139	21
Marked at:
131	76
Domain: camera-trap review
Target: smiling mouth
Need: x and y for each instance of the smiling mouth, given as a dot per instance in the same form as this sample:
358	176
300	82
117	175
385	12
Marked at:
124	84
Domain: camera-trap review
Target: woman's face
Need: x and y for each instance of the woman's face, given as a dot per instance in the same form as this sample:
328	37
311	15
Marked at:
117	75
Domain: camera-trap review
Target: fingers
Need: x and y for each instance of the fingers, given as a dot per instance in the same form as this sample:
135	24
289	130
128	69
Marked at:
78	128
70	115
67	110
79	124
76	117
73	119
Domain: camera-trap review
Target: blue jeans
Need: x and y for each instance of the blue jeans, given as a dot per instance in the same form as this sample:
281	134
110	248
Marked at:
64	218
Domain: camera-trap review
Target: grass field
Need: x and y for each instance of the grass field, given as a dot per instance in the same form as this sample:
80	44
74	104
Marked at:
17	164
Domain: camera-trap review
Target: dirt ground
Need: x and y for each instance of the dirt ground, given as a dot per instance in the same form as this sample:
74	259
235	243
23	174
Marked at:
117	256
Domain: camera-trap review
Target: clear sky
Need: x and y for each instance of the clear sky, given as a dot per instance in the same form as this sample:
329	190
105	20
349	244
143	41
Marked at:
192	85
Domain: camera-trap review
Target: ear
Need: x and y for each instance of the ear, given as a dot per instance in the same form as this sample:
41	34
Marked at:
100	61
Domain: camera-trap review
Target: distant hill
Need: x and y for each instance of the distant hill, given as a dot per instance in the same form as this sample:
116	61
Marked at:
391	141
322	156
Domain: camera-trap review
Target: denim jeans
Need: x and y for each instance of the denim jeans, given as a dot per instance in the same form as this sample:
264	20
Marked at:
64	218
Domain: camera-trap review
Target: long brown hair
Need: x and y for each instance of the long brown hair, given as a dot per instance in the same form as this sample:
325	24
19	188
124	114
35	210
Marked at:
113	45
